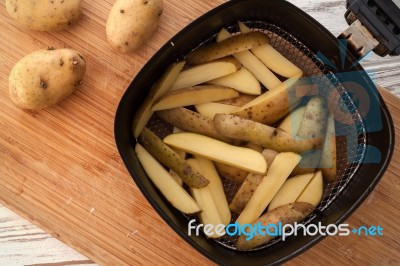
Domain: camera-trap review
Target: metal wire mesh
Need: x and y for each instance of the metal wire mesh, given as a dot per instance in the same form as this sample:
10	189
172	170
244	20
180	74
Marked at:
351	136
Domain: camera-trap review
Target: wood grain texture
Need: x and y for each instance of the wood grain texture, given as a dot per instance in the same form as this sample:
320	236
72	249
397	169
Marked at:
60	169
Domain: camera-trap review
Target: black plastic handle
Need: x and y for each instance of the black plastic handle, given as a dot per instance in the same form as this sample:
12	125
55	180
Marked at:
382	20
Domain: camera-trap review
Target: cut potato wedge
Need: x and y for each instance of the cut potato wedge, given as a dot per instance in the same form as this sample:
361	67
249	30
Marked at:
160	88
286	214
272	58
309	163
210	109
291	123
273	105
194	95
245	192
255	66
204	198
176	177
242	81
174	193
268	137
216	188
239	101
277	174
328	164
179	152
215	150
232	173
269	155
313	124
182	154
205	72
290	190
314	190
255	147
168	157
192	122
238	43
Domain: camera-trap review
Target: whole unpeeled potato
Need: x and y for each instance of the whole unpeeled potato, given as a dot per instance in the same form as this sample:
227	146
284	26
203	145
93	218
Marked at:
45	77
45	15
132	22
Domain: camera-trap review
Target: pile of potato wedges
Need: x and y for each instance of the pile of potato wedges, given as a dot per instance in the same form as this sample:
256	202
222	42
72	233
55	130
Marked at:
234	119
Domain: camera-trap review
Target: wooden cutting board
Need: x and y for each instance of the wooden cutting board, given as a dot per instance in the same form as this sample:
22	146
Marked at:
60	169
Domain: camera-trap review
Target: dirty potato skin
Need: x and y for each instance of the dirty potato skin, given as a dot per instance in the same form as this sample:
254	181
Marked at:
286	214
131	23
45	77
45	15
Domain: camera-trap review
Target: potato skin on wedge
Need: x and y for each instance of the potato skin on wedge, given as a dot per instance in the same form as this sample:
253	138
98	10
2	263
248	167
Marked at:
286	214
232	173
168	157
268	137
192	122
271	106
245	192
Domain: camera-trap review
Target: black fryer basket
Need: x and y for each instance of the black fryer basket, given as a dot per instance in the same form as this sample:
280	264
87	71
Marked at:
301	39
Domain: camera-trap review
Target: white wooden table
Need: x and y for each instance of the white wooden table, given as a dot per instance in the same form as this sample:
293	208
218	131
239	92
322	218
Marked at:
22	243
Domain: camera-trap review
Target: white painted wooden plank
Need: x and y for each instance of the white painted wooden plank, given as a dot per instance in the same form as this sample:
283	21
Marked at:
22	243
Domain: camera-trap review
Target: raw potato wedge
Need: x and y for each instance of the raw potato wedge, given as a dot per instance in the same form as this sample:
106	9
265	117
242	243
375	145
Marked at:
272	58
314	190
268	137
179	152
239	101
192	122
245	192
290	190
215	150
313	125
194	95
216	188
205	72
168	157
255	147
182	154
255	66
160	88
210	109
273	105
328	164
238	43
175	177
174	193
232	173
242	81
308	164
291	123
277	174
269	155
204	198
286	214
